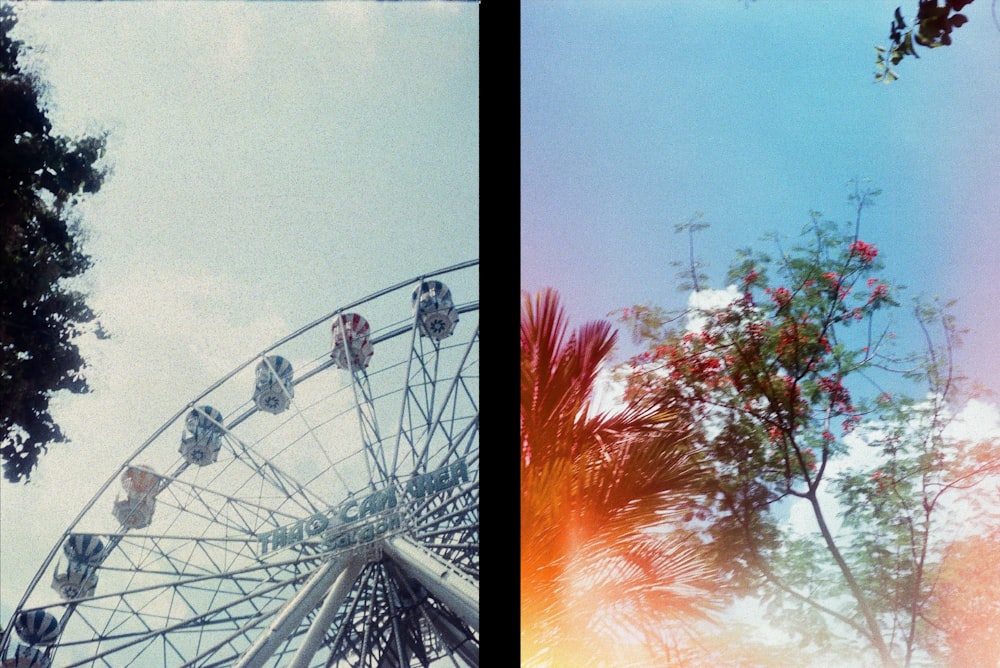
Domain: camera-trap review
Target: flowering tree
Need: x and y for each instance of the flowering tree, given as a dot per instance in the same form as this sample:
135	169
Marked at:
787	383
599	581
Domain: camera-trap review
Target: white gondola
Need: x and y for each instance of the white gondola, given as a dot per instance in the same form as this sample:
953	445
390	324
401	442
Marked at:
273	389
202	437
135	514
352	347
75	576
434	309
141	484
84	548
74	579
37	627
26	656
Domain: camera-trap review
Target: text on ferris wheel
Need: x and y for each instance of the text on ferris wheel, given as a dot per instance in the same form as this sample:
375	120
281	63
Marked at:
345	527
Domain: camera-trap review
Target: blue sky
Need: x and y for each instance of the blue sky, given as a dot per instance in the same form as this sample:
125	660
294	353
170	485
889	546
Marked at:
637	115
270	162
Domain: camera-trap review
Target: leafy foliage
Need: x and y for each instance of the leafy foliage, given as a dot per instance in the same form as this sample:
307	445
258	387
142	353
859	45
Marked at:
42	178
932	29
600	579
774	381
965	607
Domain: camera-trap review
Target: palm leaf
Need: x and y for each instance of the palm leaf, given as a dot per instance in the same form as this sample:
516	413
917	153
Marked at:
592	485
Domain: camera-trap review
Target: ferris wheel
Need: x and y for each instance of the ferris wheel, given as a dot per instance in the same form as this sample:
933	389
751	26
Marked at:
317	506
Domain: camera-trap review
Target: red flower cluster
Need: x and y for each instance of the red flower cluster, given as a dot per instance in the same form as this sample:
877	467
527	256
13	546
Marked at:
866	252
756	330
790	341
781	296
881	479
835	281
879	294
690	361
839	396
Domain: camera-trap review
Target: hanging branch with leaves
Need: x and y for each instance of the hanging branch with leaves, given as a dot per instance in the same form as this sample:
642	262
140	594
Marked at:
931	29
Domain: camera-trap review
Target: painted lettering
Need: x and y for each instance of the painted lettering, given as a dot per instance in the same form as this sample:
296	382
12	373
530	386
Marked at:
459	472
317	524
376	502
371	506
442	479
294	533
345	515
415	487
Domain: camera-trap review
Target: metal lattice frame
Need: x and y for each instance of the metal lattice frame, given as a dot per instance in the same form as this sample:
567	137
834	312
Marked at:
342	531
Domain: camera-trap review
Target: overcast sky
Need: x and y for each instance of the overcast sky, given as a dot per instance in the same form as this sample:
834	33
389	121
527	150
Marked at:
270	162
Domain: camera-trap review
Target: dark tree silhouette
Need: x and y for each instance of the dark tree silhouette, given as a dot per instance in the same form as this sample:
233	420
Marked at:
42	178
931	28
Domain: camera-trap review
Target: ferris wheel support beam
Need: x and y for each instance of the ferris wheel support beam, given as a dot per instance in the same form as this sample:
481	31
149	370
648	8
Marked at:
334	598
295	611
456	639
440	578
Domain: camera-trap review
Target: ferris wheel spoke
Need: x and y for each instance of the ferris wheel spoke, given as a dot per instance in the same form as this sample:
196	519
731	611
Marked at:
457	637
225	559
334	599
294	611
340	643
461	507
369	431
254	575
236	515
245	632
448	531
456	389
252	605
282	482
312	434
467	435
420	415
395	646
288	486
416	410
371	623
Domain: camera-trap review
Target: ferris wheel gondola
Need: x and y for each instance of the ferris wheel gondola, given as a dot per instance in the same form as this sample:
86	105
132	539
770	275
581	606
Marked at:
317	506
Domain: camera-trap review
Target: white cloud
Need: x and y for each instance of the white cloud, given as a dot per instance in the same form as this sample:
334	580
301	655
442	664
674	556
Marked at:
709	300
172	335
976	421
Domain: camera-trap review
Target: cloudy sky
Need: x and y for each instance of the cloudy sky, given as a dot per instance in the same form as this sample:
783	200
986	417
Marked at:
269	163
637	115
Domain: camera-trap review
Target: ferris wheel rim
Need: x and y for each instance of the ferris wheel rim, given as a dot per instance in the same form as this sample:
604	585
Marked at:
130	461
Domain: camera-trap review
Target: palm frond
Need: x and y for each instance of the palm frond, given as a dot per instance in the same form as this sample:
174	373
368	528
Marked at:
592	485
